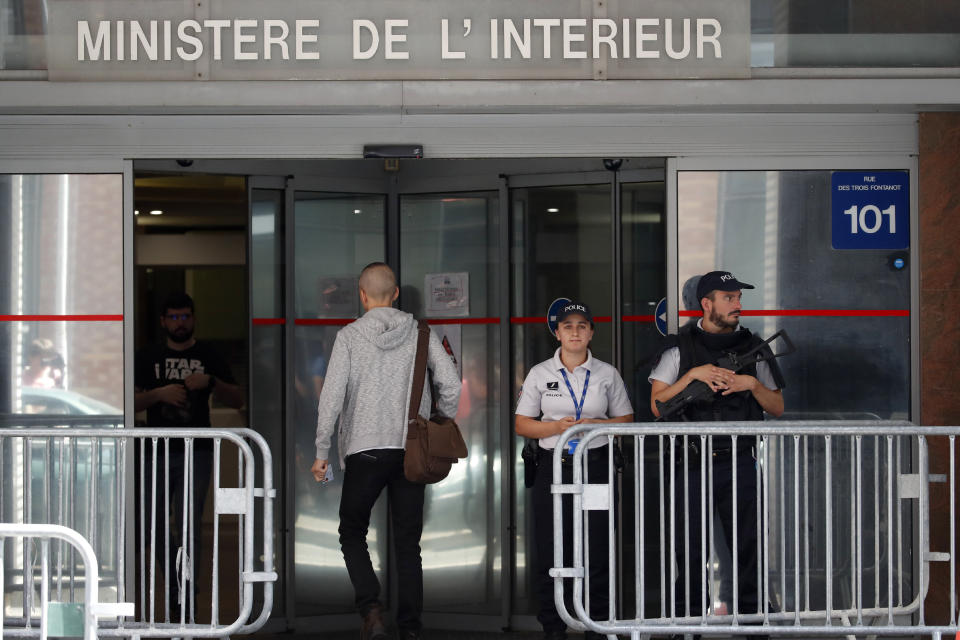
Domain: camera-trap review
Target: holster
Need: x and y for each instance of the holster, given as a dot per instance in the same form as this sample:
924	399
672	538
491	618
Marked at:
531	459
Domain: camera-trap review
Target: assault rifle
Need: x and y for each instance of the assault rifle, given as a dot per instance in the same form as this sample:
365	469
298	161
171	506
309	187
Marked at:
698	390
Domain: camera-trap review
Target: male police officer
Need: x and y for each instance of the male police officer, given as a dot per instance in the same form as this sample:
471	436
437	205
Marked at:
747	394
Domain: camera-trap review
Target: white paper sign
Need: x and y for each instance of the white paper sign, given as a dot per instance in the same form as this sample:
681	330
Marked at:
448	294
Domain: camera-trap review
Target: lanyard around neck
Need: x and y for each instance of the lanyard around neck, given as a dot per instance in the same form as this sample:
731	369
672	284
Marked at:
583	396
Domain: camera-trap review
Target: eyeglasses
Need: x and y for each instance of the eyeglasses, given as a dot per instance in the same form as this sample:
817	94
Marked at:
178	316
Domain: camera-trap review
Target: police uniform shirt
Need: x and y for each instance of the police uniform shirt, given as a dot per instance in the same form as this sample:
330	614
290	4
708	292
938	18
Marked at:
668	368
545	392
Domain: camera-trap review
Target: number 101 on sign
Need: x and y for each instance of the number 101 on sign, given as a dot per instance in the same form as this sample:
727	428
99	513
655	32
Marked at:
870	219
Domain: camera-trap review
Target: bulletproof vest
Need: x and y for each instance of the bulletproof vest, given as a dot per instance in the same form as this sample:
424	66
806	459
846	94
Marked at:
698	348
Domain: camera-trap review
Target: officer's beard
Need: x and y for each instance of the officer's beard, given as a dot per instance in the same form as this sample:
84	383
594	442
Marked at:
723	323
180	335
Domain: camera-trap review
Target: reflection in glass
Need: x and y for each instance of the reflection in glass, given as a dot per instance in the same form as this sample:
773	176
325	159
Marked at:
462	549
266	361
772	229
644	285
50	222
859	33
336	235
560	243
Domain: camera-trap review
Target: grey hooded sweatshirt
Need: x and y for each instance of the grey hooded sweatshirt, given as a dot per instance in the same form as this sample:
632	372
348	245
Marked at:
368	383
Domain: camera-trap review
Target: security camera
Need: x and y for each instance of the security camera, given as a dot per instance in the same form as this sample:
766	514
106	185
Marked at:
185	162
612	164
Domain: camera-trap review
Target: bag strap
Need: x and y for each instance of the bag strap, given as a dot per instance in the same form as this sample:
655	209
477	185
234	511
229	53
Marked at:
419	369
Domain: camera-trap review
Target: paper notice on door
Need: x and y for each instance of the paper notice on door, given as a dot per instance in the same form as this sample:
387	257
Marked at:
448	294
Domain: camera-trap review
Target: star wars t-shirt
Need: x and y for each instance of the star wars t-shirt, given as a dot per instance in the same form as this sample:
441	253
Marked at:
160	365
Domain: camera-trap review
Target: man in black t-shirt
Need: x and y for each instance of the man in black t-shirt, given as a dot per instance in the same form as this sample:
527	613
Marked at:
173	383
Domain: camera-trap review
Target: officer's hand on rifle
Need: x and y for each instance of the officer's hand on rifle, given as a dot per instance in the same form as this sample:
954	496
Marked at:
717	378
739	383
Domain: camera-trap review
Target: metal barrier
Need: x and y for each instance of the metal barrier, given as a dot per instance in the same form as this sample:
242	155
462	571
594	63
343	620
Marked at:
94	479
92	609
831	533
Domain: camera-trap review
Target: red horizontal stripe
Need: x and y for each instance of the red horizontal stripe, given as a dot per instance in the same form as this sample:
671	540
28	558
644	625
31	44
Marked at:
267	321
463	320
323	322
639	318
535	319
62	318
836	313
345	321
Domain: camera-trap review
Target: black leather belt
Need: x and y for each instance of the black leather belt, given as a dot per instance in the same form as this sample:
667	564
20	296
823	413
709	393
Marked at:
596	453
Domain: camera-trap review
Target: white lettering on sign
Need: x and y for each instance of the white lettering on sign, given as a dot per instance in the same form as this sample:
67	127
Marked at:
651	37
391	38
542	38
304	37
445	52
87	49
270	40
359	26
869	218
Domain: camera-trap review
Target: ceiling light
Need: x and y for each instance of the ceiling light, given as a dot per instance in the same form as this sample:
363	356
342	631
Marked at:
356	212
156	212
136	212
553	210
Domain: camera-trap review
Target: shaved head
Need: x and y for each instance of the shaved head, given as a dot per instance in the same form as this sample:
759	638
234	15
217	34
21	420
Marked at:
378	281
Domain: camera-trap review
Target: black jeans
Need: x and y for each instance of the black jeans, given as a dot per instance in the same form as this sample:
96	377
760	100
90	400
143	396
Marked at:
172	523
366	475
745	511
597	529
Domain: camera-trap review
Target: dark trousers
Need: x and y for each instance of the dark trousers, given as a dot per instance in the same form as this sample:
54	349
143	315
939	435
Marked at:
367	474
745	511
171	524
597	529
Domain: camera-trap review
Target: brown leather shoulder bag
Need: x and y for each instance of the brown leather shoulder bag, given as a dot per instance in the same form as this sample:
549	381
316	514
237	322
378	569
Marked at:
432	445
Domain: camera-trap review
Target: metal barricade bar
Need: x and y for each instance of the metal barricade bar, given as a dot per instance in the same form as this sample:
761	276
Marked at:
84	475
813	532
92	608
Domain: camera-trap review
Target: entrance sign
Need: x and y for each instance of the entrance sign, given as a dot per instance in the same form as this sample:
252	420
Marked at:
397	39
870	209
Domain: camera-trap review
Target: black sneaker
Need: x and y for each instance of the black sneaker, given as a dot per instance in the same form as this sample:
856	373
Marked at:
410	634
554	634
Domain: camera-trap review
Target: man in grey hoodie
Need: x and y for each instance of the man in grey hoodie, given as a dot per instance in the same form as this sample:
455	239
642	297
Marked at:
368	387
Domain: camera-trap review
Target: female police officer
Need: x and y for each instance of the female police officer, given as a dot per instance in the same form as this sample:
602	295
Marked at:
568	389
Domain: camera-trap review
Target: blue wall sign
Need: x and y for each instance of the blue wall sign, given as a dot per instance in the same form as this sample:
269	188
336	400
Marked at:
870	209
552	312
660	316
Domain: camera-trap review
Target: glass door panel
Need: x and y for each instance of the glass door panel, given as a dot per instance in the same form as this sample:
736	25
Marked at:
266	340
773	229
642	209
447	244
644	284
335	236
560	247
